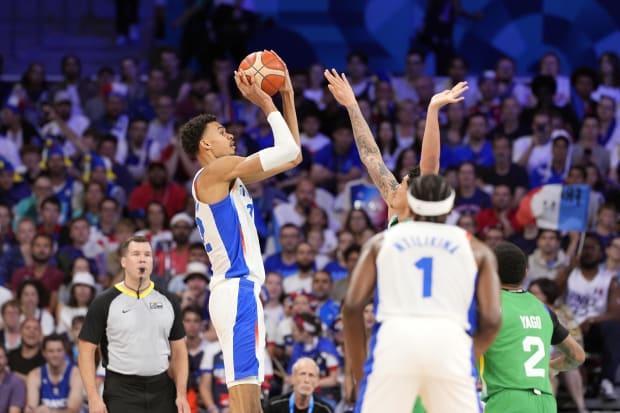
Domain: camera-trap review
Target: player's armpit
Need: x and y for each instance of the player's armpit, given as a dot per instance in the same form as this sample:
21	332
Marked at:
572	355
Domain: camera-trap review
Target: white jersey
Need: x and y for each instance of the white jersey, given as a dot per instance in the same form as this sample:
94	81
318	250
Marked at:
229	235
588	298
426	270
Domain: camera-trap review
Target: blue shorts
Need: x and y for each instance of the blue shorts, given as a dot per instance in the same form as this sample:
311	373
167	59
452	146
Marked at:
237	315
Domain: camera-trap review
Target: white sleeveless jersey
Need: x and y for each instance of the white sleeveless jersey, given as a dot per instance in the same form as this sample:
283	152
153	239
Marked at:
229	235
588	298
427	270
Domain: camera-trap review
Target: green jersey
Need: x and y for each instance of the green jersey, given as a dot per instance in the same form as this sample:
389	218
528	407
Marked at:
519	357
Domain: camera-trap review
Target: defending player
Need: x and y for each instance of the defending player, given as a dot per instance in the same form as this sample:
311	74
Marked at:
393	193
224	215
437	295
515	369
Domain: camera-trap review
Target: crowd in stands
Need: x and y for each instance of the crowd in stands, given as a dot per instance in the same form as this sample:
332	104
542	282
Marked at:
87	162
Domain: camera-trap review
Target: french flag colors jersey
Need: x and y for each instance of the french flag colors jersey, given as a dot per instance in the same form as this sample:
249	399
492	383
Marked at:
229	235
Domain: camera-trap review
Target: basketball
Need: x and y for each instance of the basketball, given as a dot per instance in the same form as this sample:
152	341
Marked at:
268	70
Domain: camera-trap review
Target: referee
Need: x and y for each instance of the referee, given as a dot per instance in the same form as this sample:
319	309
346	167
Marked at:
141	334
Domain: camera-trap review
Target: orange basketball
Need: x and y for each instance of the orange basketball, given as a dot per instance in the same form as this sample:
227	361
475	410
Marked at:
268	70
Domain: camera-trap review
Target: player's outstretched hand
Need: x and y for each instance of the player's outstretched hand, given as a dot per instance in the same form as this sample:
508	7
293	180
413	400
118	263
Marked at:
449	95
250	90
340	87
287	86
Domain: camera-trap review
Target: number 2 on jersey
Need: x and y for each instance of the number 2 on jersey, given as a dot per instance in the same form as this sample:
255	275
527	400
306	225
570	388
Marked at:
536	345
426	265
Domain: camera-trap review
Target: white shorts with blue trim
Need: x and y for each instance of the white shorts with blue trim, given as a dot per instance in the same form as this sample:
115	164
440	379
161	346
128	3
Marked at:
237	315
426	357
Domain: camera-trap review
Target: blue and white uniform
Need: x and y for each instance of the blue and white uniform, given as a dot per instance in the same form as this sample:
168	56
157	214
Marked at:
55	395
425	310
229	235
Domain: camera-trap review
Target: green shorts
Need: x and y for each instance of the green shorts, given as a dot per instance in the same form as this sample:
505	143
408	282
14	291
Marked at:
520	401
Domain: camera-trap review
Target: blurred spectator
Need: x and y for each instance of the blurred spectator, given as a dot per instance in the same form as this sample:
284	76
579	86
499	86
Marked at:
80	244
351	255
612	260
19	254
357	70
64	126
327	309
337	163
358	223
311	137
548	258
161	129
33	90
404	86
509	124
386	140
544	88
488	102
15	131
94	107
127	28
155	225
10	334
130	78
156	85
550	66
554	170
532	151
583	82
273	295
505	172
158	188
501	212
525	239
493	236
172	260
192	104
309	342
94	193
114	119
177	86
609	76
123	229
296	213
27	356
301	280
13	397
467	222
80	264
67	188
49	218
606	224
285	261
593	296
196	282
314	89
107	147
282	344
56	384
81	293
384	105
42	268
305	377
12	186
469	197
319	220
587	149
33	300
507	85
337	267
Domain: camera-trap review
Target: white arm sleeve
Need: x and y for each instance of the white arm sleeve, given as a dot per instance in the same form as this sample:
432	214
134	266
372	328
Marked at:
284	147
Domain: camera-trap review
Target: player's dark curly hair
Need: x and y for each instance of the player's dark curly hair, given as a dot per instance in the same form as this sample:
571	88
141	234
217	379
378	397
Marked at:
511	263
431	188
192	131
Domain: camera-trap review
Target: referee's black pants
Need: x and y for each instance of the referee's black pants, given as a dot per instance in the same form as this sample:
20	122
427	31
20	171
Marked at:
139	394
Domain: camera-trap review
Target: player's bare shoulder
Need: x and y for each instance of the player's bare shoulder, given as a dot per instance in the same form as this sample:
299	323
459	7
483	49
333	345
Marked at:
481	251
214	181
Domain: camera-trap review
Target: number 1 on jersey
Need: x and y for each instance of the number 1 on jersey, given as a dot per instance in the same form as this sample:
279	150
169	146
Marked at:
426	265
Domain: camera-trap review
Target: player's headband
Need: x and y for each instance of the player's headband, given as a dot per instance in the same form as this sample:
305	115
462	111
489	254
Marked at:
430	208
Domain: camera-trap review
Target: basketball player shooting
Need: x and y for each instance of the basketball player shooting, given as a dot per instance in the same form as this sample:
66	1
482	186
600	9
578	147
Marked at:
393	193
225	219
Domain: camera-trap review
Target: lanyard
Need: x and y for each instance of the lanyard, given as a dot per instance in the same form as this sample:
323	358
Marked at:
291	403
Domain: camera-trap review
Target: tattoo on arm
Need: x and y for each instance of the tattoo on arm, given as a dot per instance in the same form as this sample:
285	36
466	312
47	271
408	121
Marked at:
570	361
371	155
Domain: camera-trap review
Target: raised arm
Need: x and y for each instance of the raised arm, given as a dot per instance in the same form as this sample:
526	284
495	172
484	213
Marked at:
369	152
429	158
361	287
290	117
488	298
